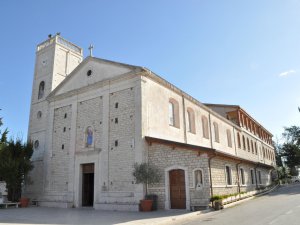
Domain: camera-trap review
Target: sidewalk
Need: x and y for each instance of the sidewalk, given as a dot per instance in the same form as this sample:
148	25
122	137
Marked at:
43	215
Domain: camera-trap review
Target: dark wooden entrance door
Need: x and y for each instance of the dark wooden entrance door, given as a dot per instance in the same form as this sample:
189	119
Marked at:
177	189
87	184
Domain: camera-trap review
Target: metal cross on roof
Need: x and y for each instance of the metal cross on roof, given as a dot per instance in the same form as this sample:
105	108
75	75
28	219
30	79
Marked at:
91	50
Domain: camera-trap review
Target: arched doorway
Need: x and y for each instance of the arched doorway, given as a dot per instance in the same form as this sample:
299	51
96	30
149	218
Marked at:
177	189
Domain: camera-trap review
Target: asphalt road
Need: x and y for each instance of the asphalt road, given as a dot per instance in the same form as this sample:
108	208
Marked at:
281	207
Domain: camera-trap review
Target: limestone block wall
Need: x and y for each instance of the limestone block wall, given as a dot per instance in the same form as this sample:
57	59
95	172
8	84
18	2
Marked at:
59	164
121	140
90	114
166	158
35	180
219	182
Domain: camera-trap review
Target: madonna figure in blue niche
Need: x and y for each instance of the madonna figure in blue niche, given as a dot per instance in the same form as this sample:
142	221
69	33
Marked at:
89	136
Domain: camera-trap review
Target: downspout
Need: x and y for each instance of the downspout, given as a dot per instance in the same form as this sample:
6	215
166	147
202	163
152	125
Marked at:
238	177
210	158
210	176
184	122
210	132
256	176
234	141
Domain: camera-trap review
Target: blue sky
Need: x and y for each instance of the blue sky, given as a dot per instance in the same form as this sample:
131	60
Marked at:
230	52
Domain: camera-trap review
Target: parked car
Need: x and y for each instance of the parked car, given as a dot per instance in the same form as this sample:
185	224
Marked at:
295	179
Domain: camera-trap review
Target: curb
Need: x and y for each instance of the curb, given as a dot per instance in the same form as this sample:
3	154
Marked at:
176	219
249	198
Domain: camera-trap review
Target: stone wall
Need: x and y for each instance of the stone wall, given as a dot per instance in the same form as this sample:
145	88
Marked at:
219	182
121	140
59	164
90	114
166	158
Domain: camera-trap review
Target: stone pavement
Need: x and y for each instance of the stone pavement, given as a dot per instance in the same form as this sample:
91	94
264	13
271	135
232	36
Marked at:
43	215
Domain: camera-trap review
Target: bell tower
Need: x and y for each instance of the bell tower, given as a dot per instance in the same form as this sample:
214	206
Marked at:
55	59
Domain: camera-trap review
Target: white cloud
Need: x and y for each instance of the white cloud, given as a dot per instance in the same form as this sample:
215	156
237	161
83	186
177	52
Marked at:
286	73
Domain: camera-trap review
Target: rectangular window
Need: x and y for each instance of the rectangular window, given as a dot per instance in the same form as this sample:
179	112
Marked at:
259	177
252	176
242	176
228	175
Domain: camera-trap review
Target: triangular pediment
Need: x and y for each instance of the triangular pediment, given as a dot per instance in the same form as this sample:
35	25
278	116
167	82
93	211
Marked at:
91	71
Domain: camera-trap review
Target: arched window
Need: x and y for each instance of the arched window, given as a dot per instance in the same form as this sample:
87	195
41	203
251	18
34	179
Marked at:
255	148
216	130
239	140
173	113
244	143
248	144
252	148
205	127
89	136
191	120
229	141
41	90
198	179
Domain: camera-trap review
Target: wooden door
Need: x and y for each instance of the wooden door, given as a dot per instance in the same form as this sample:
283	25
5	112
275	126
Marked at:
177	189
87	185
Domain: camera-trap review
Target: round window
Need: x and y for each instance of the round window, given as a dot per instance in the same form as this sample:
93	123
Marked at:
89	73
39	115
36	144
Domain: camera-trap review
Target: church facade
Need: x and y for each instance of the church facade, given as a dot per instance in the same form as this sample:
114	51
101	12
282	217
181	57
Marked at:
92	119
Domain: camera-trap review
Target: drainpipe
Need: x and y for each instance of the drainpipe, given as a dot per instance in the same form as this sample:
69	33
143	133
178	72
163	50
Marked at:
256	176
184	122
210	132
210	176
238	177
234	141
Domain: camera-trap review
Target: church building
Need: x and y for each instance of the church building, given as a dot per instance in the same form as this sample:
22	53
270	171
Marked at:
92	119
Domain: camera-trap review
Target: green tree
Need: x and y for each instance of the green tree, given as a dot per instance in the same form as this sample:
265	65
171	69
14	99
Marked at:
14	166
146	174
3	135
290	150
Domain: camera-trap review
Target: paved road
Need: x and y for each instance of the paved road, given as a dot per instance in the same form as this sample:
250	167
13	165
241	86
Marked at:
281	207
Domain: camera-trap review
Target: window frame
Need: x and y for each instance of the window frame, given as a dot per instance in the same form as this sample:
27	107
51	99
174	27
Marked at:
191	120
259	177
228	176
194	179
239	140
173	113
41	91
216	132
242	176
205	127
229	138
252	178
